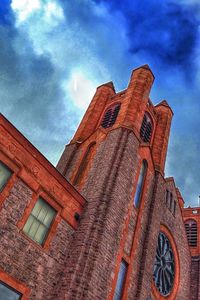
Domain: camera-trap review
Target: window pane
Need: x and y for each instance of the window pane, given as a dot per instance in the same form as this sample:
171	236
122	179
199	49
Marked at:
42	214
39	221
49	217
140	184
33	229
28	224
7	293
5	174
37	208
120	280
41	234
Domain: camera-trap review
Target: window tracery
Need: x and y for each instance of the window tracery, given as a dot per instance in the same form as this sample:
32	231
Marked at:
164	266
110	116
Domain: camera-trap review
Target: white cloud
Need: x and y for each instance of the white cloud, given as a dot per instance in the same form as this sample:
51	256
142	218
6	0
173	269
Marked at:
80	89
24	8
53	13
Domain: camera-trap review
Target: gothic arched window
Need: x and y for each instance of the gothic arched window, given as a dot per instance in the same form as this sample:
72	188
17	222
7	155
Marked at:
140	183
146	129
191	232
84	164
110	116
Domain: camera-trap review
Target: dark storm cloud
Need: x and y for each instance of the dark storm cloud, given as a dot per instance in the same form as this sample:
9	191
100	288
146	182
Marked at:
163	32
6	16
166	31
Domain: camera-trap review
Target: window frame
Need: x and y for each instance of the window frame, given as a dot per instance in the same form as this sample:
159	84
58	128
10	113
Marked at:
17	286
54	224
190	233
36	219
15	170
112	106
84	164
11	289
121	291
149	120
155	293
138	194
8	179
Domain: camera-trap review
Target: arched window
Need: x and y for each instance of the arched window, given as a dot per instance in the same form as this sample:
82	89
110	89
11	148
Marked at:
110	116
146	129
191	231
171	201
140	183
84	164
167	197
120	280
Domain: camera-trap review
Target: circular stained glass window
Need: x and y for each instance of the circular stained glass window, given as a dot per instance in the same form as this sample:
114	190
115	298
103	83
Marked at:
164	266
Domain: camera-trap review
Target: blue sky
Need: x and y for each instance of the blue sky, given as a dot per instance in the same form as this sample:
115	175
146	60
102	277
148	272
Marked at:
53	54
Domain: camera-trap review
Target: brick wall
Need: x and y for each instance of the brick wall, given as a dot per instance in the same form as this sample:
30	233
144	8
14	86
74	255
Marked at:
26	266
23	259
195	282
154	218
96	242
81	260
111	227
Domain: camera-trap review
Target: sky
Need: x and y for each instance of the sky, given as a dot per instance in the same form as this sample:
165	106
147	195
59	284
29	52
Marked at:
54	53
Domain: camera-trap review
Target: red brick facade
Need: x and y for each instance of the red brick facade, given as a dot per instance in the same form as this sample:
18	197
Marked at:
98	179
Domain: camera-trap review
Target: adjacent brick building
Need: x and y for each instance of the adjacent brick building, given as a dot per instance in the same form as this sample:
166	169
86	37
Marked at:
105	223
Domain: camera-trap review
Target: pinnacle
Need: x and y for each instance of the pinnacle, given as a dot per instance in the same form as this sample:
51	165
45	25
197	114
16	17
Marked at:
164	102
109	84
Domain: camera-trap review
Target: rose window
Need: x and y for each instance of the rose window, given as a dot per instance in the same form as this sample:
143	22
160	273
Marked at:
164	266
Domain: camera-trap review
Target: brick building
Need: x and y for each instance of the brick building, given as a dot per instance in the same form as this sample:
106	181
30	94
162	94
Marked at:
105	223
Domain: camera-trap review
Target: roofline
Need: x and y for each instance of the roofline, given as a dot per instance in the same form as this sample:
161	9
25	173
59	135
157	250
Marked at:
41	158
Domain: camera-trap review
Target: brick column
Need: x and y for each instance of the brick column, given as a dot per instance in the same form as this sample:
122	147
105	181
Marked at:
95	247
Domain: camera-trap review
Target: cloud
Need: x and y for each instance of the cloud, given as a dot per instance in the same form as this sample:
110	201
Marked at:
80	89
182	161
166	32
24	8
54	53
51	61
31	95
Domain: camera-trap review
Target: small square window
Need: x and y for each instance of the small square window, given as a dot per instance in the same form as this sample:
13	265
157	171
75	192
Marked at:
39	221
5	174
8	293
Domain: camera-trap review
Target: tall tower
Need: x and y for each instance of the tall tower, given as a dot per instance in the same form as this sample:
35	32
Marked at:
116	160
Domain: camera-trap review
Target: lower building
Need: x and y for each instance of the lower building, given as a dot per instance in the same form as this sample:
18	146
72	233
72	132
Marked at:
105	223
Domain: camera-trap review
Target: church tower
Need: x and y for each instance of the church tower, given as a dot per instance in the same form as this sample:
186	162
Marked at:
116	160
